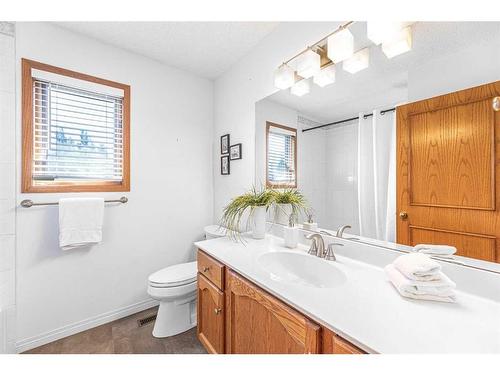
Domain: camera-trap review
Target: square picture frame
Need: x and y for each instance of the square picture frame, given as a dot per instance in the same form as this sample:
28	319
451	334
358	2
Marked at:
235	152
225	165
224	144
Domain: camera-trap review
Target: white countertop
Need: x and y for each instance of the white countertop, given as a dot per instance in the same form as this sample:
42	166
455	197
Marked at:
367	310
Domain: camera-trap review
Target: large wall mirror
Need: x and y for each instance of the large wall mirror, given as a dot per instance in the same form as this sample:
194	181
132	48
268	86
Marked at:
398	171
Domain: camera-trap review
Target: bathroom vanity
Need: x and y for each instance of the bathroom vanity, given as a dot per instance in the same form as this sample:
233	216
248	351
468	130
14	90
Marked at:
236	316
260	297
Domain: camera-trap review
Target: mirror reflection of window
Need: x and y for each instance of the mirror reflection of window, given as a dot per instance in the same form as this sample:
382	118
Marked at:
281	156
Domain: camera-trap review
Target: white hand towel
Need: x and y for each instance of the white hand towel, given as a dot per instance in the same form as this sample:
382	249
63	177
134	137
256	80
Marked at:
417	266
442	288
435	249
80	222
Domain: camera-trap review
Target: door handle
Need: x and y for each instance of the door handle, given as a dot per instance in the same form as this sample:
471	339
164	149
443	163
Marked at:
217	311
496	103
403	215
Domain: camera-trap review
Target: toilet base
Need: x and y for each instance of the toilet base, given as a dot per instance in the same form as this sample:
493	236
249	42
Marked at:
174	318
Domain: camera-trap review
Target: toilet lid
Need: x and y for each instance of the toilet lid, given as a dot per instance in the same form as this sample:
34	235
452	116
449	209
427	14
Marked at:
179	274
215	230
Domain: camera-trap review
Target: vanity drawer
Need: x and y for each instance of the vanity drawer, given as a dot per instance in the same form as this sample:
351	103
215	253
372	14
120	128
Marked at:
211	269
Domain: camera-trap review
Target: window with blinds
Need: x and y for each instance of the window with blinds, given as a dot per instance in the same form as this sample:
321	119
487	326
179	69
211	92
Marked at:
78	133
281	156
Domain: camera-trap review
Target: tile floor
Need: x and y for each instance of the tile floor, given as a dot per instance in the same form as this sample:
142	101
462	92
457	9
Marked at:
124	336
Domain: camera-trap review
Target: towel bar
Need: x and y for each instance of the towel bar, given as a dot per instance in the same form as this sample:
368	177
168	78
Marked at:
27	203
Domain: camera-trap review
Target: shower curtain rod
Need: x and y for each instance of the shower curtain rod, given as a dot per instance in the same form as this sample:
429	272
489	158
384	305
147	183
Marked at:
347	120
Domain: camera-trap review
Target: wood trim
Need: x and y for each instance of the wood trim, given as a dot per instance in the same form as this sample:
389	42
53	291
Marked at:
27	185
268	183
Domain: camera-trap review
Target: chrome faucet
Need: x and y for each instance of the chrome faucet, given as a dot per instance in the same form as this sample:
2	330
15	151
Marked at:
317	245
341	229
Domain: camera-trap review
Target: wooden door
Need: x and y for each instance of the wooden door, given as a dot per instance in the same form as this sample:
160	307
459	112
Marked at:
448	183
210	316
258	323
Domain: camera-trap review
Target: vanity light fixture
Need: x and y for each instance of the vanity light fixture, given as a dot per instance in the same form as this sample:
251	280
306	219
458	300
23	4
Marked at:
308	64
380	32
398	45
284	77
318	60
325	76
340	46
359	61
301	87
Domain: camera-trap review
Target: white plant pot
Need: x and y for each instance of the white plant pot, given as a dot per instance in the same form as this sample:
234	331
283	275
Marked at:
258	218
282	212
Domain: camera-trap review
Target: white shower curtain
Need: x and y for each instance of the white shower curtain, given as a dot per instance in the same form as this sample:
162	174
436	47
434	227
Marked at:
376	176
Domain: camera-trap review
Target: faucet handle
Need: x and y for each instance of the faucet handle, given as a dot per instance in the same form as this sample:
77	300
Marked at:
329	254
313	250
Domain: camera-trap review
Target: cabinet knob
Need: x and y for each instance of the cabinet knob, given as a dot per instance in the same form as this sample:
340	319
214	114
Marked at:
217	311
206	269
403	215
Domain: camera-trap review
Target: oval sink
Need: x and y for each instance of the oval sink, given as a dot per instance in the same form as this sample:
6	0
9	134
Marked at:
301	269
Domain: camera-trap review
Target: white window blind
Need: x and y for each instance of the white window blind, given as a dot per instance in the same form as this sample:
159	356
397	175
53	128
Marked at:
78	134
281	157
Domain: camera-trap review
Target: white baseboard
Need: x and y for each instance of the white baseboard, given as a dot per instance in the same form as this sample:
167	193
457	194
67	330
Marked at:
83	325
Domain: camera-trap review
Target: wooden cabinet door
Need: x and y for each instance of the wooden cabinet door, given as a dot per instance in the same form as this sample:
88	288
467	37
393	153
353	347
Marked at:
258	323
334	344
210	316
448	172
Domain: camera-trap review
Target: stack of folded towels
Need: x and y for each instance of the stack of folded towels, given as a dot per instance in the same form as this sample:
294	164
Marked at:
417	276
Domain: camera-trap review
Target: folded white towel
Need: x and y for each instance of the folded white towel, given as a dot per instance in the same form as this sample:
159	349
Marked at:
442	288
435	249
80	222
417	266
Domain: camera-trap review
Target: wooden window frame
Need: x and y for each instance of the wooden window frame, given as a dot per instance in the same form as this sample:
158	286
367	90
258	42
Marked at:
27	183
268	183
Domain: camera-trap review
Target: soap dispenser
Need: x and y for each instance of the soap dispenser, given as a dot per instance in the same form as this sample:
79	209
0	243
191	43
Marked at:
291	233
310	224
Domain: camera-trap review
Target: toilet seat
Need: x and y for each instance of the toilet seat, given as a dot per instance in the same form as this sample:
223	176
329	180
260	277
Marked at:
174	276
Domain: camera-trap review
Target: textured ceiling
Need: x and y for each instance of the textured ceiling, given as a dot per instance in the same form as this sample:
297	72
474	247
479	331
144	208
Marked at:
206	49
384	83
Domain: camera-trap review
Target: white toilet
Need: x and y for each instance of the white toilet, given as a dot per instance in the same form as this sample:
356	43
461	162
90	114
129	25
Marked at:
214	231
175	288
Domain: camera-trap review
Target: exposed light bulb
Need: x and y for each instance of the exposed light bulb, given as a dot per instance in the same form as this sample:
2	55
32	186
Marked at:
284	77
325	76
359	61
398	45
301	88
308	64
380	32
340	46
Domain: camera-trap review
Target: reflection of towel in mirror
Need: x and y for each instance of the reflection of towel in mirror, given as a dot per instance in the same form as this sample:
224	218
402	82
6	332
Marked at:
80	222
440	290
435	249
417	266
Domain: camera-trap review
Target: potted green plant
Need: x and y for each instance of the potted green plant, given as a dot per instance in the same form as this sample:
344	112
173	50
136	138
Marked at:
287	202
255	203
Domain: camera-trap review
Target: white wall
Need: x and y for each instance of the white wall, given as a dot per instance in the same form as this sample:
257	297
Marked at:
7	188
469	67
237	91
170	201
